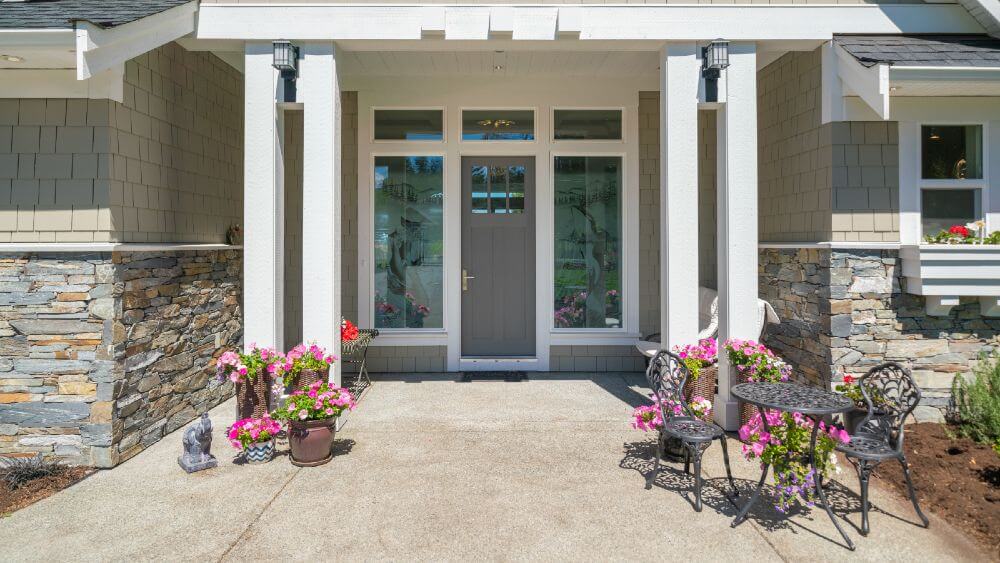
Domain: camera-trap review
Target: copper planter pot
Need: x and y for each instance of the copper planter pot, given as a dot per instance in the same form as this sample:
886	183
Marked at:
311	441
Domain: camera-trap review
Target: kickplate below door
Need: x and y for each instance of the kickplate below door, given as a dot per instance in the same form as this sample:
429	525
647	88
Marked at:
508	376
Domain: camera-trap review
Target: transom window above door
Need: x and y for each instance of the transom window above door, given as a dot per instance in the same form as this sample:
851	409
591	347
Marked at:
498	125
587	124
408	125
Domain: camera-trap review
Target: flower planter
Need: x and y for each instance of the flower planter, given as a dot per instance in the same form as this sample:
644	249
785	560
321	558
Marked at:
311	441
252	398
259	452
943	273
704	385
307	377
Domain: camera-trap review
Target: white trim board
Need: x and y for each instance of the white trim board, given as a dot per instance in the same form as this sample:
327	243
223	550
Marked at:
110	247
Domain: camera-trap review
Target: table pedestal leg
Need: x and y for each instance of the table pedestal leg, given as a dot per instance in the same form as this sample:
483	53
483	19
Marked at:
753	498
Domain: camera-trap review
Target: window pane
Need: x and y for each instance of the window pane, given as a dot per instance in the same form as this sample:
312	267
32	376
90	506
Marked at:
515	187
588	124
588	242
480	190
409	125
409	246
942	209
498	125
952	152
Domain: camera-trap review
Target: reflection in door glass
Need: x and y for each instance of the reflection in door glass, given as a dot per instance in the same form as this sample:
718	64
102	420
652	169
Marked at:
515	189
480	190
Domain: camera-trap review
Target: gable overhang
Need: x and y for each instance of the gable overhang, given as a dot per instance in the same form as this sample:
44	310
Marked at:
101	49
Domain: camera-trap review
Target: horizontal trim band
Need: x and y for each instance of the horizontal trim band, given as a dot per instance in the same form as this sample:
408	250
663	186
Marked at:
9	247
832	245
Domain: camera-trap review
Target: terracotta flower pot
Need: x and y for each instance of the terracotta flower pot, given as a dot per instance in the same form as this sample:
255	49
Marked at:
311	441
260	452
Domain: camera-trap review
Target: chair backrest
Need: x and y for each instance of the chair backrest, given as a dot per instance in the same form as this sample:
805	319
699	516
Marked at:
666	376
891	395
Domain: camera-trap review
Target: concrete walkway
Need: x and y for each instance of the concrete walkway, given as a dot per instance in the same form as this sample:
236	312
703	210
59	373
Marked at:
433	469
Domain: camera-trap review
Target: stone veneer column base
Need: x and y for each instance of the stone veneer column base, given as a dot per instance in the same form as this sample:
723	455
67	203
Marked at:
103	353
845	311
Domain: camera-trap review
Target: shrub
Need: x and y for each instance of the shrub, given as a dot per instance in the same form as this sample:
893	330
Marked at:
19	471
977	403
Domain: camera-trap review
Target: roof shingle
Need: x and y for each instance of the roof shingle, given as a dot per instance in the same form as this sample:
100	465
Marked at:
923	50
47	14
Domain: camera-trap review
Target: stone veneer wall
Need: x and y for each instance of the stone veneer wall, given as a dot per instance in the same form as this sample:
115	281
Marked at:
844	311
101	354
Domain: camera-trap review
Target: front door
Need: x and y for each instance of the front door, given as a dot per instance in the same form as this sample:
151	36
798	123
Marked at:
498	256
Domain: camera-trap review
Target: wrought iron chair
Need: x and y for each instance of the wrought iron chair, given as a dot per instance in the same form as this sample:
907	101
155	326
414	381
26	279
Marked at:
666	375
879	436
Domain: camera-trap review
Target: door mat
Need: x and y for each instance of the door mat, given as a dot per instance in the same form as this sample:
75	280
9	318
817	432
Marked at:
508	376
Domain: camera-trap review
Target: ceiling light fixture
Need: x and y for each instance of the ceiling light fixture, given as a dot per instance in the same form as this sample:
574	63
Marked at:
12	58
497	67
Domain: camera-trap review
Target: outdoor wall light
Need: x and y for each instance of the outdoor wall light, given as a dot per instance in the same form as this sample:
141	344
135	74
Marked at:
286	60
12	58
715	58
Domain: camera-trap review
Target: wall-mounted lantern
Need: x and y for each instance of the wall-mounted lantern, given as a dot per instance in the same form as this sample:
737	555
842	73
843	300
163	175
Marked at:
715	58
286	60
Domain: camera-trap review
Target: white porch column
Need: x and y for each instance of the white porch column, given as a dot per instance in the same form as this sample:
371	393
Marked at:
737	217
263	202
319	92
679	78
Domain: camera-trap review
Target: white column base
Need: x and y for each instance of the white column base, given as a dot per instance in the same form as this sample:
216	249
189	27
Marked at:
940	305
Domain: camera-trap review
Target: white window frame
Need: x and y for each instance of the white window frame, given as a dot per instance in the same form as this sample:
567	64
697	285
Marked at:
431	335
498	142
444	126
982	184
552	121
629	330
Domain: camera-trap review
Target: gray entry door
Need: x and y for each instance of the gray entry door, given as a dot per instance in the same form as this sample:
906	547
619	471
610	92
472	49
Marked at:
498	256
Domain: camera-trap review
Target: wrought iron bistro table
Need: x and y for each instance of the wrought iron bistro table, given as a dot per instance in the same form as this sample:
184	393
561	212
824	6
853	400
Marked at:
790	397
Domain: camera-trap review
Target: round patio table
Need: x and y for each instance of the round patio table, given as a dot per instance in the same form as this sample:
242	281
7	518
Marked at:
812	402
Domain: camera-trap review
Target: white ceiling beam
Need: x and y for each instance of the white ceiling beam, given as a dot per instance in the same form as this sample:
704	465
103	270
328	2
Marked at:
640	22
871	84
99	49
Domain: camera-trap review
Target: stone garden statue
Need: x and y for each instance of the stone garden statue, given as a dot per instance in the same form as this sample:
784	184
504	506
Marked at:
197	443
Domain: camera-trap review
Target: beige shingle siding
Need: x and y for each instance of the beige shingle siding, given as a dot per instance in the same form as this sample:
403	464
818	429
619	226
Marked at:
178	171
166	165
817	182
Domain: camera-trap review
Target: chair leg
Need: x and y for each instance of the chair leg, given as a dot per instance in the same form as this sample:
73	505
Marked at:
656	465
687	460
864	473
695	451
913	493
729	472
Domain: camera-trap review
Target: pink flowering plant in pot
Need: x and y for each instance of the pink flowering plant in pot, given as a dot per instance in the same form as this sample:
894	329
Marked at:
756	362
786	448
302	360
255	437
312	413
650	417
697	356
249	371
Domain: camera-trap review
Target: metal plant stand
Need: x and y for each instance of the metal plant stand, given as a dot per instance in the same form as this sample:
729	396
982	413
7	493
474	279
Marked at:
356	352
811	402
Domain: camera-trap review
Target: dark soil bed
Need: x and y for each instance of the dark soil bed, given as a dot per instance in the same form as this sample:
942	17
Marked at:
34	491
956	478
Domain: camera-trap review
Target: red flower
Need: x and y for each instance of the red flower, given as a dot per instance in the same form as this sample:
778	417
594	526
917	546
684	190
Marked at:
848	380
959	230
348	331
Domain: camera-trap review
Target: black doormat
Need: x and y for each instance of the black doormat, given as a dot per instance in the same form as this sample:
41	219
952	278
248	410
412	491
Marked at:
509	376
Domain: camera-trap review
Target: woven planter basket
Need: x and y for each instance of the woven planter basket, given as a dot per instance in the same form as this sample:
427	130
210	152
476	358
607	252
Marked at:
705	385
307	377
252	398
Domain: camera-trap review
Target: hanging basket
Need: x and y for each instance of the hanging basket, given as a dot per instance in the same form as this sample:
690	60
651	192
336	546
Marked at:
252	398
705	385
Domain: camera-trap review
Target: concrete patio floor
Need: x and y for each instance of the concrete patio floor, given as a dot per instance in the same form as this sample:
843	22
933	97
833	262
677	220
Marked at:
434	469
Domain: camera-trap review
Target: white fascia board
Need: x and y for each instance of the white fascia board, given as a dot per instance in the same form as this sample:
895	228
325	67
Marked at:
468	23
99	49
639	22
944	73
871	84
62	83
37	38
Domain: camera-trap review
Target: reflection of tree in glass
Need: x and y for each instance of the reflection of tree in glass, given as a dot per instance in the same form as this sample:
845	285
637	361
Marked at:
590	203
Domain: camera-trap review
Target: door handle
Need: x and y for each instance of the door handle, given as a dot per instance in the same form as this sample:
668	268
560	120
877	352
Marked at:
465	280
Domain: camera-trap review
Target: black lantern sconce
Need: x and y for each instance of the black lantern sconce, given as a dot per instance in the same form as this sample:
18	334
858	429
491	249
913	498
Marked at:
714	57
286	60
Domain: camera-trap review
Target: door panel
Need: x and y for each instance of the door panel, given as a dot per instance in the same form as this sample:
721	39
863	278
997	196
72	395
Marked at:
498	255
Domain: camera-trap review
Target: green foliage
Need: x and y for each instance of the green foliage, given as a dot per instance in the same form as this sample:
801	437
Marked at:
19	471
945	237
977	403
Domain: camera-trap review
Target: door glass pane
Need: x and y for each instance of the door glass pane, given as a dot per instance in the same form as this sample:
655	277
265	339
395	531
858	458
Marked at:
952	152
409	125
588	242
480	190
942	209
498	189
498	125
587	124
409	247
515	185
